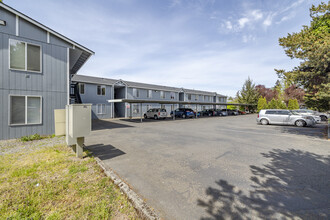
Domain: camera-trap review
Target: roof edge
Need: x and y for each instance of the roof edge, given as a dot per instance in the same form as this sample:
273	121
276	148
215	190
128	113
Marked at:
14	11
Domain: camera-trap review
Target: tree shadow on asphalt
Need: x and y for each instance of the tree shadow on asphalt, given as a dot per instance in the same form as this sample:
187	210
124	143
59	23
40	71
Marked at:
317	131
294	184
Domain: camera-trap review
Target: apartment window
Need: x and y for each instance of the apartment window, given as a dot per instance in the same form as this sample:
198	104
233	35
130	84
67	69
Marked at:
162	94
150	94
196	97
82	88
136	93
162	106
25	110
136	109
100	109
24	56
172	95
100	90
189	97
206	98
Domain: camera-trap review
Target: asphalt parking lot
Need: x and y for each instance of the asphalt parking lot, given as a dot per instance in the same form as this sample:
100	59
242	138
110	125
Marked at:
220	168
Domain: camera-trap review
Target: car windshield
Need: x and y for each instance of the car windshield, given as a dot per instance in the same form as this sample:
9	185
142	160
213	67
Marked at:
294	113
163	110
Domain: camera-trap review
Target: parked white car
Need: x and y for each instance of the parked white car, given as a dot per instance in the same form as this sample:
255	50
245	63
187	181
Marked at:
319	116
284	117
156	113
308	113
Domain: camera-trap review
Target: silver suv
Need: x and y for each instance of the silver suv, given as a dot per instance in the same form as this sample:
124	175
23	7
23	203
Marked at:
284	117
156	113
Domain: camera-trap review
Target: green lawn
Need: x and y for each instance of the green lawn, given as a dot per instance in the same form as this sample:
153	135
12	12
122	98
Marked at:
52	183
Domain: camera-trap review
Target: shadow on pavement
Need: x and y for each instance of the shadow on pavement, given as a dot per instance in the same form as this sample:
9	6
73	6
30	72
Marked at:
294	184
104	124
104	152
318	130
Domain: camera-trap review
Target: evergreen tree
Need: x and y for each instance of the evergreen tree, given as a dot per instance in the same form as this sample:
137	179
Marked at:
280	104
262	103
293	104
248	95
312	46
272	104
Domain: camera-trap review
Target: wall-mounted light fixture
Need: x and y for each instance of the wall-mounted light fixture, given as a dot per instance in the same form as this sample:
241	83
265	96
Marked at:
2	22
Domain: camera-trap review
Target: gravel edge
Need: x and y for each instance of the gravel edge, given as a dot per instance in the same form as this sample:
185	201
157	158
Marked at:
141	206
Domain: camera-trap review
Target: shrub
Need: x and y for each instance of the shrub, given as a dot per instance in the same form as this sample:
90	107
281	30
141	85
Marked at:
272	104
35	137
280	104
293	104
262	103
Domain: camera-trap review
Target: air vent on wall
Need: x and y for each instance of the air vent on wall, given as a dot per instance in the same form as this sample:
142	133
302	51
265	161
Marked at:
2	22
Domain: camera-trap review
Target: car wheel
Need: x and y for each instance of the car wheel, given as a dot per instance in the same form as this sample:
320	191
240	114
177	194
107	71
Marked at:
155	117
264	122
145	116
323	118
183	116
300	123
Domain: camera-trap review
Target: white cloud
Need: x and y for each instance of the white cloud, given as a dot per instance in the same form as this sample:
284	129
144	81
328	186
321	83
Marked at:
248	38
256	14
229	25
242	22
268	21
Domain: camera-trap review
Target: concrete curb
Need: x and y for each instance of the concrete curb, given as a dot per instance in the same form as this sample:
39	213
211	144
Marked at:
141	206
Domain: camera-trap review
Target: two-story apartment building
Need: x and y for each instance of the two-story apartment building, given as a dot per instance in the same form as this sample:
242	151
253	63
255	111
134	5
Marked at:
97	91
36	65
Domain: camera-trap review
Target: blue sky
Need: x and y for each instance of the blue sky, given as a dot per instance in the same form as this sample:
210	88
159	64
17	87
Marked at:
209	45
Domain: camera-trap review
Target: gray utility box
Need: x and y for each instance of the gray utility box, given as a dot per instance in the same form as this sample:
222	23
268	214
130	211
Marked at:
80	120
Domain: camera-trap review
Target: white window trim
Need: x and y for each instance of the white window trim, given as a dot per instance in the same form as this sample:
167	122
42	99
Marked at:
162	95
149	94
26	43
137	93
105	90
26	96
98	109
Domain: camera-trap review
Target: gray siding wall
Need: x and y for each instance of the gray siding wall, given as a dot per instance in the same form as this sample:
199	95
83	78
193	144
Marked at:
10	19
91	97
51	83
30	31
143	94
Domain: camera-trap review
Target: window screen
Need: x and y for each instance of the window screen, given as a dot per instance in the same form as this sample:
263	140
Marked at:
81	88
33	110
25	110
162	94
149	93
25	56
33	58
17	55
17	110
